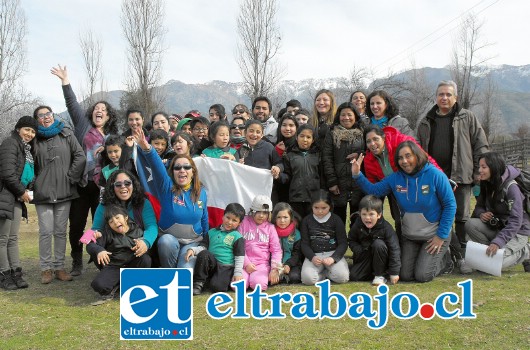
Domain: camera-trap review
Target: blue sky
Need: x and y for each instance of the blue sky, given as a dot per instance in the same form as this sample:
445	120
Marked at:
320	38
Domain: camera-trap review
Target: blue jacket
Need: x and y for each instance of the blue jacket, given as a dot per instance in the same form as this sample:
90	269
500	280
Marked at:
176	210
428	192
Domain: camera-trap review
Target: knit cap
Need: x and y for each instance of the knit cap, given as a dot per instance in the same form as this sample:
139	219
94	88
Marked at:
27	122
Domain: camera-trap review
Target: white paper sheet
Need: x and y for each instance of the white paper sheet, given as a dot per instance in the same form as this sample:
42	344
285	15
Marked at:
477	259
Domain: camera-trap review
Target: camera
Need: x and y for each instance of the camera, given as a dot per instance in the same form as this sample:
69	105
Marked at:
497	223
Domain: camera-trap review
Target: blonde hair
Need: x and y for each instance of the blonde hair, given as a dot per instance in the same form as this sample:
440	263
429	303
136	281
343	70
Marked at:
330	115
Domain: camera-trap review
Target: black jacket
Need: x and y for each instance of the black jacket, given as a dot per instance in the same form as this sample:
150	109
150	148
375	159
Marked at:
323	237
302	170
117	244
361	238
12	160
262	155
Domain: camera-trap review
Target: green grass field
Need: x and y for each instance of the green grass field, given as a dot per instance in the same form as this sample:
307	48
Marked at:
59	316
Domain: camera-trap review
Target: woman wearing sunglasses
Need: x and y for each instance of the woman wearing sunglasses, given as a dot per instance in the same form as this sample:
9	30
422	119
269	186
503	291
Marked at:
237	132
123	188
184	216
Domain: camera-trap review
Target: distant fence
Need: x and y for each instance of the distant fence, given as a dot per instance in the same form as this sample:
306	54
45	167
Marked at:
515	152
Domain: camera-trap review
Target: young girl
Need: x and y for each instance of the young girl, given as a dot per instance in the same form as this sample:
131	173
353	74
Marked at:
263	253
286	222
114	148
302	170
219	134
323	243
182	143
114	250
286	134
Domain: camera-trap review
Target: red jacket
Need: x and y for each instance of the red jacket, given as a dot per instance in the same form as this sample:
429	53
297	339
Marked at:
393	138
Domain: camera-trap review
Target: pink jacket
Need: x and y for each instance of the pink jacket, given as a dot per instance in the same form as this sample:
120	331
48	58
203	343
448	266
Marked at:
262	244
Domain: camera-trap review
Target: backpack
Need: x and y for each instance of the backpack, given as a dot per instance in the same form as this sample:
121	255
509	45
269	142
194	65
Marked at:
523	181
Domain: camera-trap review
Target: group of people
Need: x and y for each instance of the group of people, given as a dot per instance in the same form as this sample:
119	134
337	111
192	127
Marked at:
323	163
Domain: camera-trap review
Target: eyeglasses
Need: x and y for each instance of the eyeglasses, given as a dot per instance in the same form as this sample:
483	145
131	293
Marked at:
179	167
200	129
120	184
44	115
238	111
237	126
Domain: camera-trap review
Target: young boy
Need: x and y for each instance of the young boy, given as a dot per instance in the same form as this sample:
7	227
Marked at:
159	139
220	254
374	244
114	250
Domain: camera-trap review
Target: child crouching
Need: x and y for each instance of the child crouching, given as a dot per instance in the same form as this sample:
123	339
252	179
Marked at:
220	254
114	249
374	244
263	253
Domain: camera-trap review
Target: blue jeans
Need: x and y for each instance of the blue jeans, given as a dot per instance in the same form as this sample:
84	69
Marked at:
173	254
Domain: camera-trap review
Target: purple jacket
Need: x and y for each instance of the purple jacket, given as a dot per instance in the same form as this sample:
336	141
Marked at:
508	208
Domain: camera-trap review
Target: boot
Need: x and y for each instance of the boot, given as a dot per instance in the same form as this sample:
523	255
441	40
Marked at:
17	277
62	275
77	263
197	288
6	280
526	265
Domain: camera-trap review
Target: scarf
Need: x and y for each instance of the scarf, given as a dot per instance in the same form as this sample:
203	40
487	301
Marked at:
352	135
237	140
27	151
381	122
285	232
50	131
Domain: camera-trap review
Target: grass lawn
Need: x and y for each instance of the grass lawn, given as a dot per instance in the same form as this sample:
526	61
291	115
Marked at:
59	316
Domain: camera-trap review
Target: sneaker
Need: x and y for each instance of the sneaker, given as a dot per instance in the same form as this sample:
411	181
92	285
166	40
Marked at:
17	277
6	281
378	280
62	275
197	288
46	276
449	267
526	265
463	267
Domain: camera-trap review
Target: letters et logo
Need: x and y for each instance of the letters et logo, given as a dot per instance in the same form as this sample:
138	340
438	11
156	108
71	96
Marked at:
156	304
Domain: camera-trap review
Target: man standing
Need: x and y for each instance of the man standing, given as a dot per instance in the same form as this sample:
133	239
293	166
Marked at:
262	111
454	137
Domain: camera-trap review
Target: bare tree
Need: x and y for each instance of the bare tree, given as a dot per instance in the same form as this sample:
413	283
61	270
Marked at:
91	49
523	131
141	22
259	43
467	65
14	98
356	79
491	115
417	96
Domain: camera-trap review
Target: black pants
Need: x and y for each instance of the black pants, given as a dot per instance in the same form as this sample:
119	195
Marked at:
396	214
88	200
372	262
109	276
207	268
302	208
295	275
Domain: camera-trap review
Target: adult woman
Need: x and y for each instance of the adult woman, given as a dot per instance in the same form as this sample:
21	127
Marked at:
426	200
184	216
239	110
342	144
16	177
324	109
384	111
124	189
59	164
91	129
160	120
499	219
237	131
358	98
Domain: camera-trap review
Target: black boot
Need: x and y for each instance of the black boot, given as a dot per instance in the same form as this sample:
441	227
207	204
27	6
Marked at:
6	280
197	288
526	265
77	263
17	277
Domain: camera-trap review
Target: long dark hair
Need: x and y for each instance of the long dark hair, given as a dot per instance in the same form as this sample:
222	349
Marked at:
137	198
284	117
111	126
346	105
391	109
497	167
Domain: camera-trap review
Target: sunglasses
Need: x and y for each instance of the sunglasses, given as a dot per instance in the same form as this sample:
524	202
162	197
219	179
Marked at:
238	111
179	167
237	126
120	184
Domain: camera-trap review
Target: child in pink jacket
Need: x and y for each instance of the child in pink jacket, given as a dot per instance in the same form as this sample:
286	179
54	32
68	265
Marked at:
263	252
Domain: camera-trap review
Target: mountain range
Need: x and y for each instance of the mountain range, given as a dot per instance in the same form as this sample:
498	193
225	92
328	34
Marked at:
512	99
